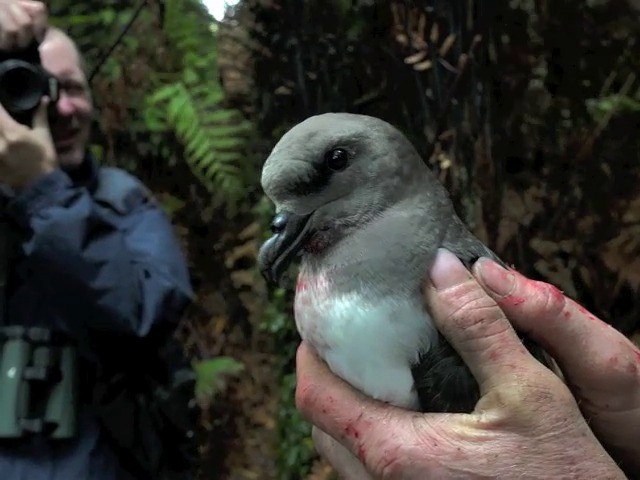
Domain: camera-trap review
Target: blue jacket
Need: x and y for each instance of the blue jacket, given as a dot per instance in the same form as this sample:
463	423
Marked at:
92	264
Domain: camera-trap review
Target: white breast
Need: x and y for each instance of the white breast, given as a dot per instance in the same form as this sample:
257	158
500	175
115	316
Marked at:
370	344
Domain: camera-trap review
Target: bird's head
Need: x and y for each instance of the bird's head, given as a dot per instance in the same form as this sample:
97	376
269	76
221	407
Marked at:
328	175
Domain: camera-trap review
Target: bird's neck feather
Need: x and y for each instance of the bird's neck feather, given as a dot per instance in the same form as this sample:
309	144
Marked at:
390	253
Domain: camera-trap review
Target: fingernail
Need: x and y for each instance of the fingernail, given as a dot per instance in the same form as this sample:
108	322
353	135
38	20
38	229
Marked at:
447	270
496	278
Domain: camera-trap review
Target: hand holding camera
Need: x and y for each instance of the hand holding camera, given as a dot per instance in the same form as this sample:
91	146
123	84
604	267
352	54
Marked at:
21	22
26	90
26	153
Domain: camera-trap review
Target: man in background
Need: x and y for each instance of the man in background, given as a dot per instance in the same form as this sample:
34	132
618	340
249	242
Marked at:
93	265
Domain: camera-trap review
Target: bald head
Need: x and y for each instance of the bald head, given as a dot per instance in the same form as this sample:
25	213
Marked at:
58	37
55	32
71	122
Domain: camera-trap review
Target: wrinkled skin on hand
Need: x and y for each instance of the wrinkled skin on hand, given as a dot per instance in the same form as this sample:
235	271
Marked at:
600	365
527	423
26	153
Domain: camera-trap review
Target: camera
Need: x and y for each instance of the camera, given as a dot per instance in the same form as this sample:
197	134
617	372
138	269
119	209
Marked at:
23	83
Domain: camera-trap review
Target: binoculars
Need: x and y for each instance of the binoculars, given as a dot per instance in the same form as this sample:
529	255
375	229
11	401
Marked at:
38	384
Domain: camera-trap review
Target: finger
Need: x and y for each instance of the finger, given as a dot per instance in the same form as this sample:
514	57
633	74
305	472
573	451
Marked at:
363	425
347	466
8	28
23	26
581	343
474	324
41	117
7	123
38	14
337	408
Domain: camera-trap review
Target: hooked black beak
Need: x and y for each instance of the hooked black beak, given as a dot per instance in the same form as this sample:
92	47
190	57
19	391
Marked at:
290	232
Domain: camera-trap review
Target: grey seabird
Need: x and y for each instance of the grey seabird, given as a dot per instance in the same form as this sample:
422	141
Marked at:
366	216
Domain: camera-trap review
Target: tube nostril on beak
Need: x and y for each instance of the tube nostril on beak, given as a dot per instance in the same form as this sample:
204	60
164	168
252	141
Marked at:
279	222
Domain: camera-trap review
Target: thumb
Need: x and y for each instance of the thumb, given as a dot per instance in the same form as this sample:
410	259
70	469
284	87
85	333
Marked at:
380	437
41	117
473	323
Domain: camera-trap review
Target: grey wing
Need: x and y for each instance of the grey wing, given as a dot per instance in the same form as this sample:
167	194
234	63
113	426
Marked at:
443	382
467	247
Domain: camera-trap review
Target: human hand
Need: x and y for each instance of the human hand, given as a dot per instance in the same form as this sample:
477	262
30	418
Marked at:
21	21
526	424
26	153
600	365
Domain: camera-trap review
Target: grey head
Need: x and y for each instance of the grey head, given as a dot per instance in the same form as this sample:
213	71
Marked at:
332	173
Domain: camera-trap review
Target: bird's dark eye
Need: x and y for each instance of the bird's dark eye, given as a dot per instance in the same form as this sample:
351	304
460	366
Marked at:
336	159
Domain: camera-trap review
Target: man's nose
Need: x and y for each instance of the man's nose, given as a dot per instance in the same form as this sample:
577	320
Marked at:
65	105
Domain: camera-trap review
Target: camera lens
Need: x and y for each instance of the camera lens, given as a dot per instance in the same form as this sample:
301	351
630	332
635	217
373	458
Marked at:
21	88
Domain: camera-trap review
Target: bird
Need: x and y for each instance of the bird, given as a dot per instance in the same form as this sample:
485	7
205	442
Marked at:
363	216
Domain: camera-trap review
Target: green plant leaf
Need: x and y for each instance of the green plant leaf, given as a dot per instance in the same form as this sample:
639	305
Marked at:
212	374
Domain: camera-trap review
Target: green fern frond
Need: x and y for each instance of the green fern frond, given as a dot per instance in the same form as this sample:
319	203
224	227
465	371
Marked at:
214	138
213	149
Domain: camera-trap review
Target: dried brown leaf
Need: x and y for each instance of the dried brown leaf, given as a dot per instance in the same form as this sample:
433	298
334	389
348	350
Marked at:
513	205
632	213
283	90
248	250
418	43
263	418
447	44
544	248
533	200
558	274
622	256
422	66
513	209
435	33
321	470
422	24
585	274
251	231
212	302
444	161
402	39
414	58
243	278
220	323
586	225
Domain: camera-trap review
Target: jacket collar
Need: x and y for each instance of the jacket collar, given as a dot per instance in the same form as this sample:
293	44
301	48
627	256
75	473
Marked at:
85	174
